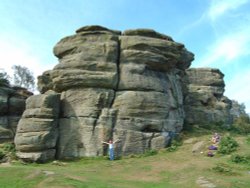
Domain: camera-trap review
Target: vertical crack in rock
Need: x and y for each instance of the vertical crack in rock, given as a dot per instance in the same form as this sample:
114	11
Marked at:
114	116
118	72
115	89
100	105
95	123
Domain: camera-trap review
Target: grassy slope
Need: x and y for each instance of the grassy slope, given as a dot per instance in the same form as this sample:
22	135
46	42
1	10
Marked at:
180	168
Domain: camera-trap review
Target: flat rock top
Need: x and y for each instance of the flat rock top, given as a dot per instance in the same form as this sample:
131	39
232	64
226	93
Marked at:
147	33
131	32
205	69
94	28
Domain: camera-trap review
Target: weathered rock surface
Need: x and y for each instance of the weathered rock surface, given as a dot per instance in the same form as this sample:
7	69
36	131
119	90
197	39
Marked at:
37	131
130	86
204	182
205	103
133	86
12	105
87	59
113	85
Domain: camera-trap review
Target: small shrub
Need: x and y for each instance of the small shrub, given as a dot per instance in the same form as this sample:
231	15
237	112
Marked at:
240	159
174	145
9	150
227	145
9	147
172	148
2	154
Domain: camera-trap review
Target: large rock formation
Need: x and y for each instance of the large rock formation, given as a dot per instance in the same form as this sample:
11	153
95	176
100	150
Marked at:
205	103
112	86
133	86
12	105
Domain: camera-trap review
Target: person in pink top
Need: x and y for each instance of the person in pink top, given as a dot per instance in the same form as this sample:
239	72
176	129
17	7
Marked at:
216	138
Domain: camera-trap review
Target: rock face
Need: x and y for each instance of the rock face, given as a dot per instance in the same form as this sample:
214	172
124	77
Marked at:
112	85
204	100
37	131
133	86
12	105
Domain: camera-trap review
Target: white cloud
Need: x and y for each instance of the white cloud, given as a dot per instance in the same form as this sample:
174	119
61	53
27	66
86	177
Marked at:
230	13
227	48
238	88
220	7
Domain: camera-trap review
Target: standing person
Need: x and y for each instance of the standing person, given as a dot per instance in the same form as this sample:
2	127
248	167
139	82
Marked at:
111	149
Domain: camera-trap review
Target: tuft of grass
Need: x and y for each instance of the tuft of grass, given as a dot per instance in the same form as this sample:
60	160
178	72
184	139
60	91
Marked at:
224	169
147	153
150	153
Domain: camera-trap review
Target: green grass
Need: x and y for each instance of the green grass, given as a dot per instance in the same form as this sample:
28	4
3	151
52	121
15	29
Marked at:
179	168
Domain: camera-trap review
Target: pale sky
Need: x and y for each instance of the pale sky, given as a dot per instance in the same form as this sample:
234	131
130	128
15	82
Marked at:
216	31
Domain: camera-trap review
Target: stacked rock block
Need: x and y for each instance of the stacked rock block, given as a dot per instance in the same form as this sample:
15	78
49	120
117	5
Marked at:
37	131
149	99
205	103
87	77
115	85
12	105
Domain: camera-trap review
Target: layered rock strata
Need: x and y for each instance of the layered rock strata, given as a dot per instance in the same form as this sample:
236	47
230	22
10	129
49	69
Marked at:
114	85
205	103
12	105
37	131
